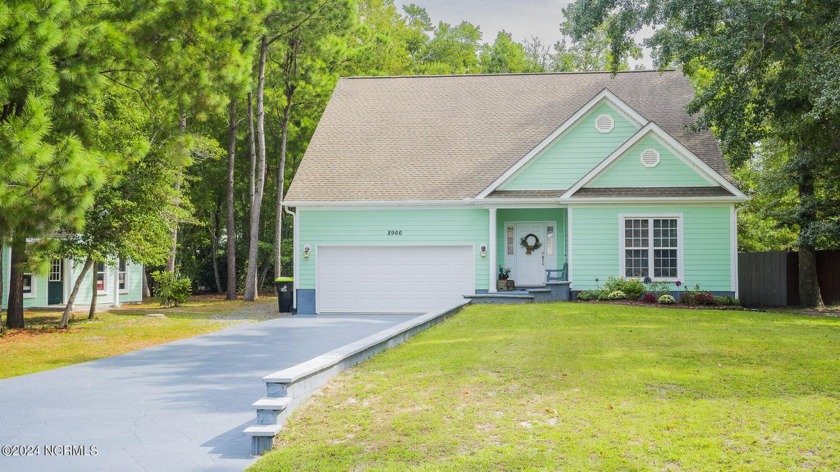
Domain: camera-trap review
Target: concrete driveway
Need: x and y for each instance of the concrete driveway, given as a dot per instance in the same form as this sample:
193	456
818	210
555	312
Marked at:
180	406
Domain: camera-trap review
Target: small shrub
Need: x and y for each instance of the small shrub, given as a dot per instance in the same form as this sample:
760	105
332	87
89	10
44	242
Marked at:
649	298
666	300
728	301
704	299
659	288
632	288
603	295
587	295
171	289
617	295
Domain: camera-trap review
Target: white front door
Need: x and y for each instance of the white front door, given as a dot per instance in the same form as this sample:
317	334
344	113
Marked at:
530	268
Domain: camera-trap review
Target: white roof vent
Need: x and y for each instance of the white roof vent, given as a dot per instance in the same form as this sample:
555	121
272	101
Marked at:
604	124
650	158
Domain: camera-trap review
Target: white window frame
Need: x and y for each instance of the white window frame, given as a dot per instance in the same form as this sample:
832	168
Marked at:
622	262
52	271
124	273
33	287
103	291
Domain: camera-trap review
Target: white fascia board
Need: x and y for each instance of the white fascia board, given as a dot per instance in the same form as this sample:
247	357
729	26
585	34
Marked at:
603	95
679	150
429	204
636	200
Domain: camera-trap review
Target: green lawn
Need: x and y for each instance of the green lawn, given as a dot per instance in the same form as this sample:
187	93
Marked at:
42	346
583	387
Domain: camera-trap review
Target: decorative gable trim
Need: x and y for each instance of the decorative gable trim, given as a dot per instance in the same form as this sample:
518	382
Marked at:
680	151
602	96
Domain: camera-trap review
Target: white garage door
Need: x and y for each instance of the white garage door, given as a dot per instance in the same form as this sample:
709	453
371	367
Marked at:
392	279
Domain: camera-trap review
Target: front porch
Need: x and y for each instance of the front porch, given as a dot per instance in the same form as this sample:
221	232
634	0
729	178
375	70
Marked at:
528	256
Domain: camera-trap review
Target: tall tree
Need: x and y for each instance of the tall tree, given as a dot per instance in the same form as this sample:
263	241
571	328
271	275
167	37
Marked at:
48	169
773	70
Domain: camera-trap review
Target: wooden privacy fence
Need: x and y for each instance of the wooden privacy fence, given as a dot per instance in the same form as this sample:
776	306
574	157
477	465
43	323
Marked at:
772	278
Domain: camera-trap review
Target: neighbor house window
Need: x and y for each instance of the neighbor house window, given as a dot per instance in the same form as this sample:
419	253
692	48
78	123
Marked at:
651	248
100	276
55	270
122	277
28	289
509	240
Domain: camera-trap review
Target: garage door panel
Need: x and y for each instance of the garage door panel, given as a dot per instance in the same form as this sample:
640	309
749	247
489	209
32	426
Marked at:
357	279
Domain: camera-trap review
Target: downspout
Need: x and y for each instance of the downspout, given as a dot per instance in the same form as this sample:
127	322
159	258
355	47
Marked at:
295	258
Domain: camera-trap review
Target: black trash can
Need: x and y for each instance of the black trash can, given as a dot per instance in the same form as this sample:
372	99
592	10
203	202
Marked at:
285	293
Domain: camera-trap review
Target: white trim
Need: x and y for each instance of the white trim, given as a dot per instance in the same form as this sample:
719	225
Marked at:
634	200
680	151
502	204
492	249
651	216
604	95
570	236
295	255
116	300
733	241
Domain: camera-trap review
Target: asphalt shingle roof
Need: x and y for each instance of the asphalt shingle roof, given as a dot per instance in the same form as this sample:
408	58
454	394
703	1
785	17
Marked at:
449	137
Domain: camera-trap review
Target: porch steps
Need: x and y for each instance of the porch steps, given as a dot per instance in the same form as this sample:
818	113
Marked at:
553	291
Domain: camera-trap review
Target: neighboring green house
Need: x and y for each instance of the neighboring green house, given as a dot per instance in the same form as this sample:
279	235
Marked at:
414	190
118	283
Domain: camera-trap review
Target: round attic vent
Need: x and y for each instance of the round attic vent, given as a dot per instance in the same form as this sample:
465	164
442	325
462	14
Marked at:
604	124
650	158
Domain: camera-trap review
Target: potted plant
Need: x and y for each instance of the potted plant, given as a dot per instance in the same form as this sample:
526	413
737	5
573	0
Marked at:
504	283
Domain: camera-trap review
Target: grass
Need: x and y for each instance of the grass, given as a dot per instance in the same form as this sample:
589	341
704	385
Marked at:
42	346
583	387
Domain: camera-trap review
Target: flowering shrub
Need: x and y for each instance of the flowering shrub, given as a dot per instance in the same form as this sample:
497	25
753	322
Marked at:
649	298
617	295
632	288
704	299
666	300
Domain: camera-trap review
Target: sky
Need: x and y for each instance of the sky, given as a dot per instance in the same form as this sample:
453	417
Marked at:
521	18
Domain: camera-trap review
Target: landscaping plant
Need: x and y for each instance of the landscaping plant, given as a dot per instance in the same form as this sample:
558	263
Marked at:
171	289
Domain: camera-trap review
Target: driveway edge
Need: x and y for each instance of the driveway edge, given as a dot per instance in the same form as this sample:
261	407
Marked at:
289	388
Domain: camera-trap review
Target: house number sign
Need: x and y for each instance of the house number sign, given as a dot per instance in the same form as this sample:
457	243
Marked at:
394	232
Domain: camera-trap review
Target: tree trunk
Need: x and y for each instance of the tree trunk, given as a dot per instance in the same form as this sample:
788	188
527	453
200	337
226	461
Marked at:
68	309
253	247
2	284
214	242
14	312
252	148
809	287
94	295
231	224
147	293
290	74
281	183
173	247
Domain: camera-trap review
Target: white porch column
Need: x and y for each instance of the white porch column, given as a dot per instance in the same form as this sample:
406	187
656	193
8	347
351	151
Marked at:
491	248
117	285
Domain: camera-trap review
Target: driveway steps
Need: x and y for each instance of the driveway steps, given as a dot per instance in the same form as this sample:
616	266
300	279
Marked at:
289	388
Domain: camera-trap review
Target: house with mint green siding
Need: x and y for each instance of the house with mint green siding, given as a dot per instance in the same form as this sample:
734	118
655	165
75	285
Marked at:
415	190
117	283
